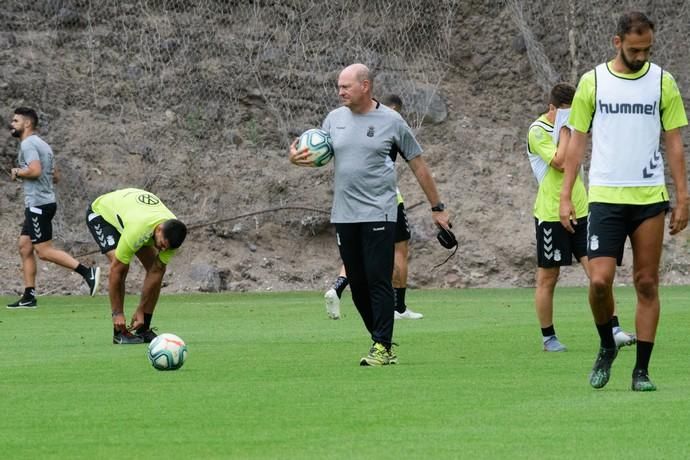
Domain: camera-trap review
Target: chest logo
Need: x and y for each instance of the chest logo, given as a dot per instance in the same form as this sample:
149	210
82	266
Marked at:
148	199
370	131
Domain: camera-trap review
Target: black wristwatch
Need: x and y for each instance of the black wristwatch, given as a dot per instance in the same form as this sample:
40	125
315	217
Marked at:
439	207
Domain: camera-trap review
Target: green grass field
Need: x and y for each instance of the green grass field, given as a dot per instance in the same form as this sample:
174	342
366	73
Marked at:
270	376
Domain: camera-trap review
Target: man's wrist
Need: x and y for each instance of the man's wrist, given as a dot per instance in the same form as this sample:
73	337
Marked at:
438	207
117	313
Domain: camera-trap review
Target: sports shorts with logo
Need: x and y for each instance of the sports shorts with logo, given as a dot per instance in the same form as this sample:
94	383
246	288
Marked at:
105	234
556	246
402	227
611	224
38	222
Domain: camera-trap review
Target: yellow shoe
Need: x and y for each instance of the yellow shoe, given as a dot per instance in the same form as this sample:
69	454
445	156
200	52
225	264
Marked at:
378	355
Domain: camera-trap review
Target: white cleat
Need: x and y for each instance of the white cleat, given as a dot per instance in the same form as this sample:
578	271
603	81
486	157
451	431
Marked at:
408	314
624	339
332	304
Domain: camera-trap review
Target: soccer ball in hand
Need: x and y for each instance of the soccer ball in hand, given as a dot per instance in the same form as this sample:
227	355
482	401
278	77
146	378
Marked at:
319	144
167	352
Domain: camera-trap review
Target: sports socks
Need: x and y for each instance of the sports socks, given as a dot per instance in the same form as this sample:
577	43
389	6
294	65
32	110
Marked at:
82	270
29	293
606	335
548	332
340	285
644	353
400	305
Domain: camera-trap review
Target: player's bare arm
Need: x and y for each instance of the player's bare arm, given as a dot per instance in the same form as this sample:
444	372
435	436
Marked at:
32	171
426	181
573	158
116	288
676	162
149	293
558	160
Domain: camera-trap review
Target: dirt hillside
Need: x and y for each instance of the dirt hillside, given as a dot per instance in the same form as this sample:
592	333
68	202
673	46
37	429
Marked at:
124	101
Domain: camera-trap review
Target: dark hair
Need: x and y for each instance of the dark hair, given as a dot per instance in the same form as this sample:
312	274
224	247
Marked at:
392	99
633	22
175	232
561	94
28	113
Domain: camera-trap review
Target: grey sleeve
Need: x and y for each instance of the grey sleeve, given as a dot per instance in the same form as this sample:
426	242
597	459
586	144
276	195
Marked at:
407	144
29	152
326	125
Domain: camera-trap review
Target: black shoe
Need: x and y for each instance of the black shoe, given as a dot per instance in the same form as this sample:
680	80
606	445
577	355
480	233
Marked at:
24	302
601	371
93	280
127	338
641	382
147	334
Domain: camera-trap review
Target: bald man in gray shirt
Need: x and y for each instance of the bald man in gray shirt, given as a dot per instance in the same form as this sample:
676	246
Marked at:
364	133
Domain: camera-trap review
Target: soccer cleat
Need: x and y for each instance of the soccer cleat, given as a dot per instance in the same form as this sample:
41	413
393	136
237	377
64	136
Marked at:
332	304
601	371
408	314
552	344
379	356
147	334
641	382
624	339
127	338
93	280
23	303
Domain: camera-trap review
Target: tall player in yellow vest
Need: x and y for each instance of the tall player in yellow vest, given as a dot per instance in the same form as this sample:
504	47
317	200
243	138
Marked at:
128	223
555	245
627	103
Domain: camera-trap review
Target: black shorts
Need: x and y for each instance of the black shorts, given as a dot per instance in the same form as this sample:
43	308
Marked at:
556	246
38	222
402	228
611	224
105	234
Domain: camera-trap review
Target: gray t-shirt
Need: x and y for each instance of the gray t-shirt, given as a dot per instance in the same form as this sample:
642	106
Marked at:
365	147
37	191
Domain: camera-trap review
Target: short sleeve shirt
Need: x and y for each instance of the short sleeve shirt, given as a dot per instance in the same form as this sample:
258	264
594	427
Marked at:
39	191
135	213
365	178
546	205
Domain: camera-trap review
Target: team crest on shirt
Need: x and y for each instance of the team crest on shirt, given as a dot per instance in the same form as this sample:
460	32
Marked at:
148	199
370	131
593	242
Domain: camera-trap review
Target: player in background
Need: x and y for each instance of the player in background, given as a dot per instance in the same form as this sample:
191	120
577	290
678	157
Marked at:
400	263
555	245
364	200
36	170
627	103
128	223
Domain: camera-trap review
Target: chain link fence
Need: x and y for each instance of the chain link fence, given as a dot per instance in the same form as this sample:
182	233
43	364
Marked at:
565	39
148	78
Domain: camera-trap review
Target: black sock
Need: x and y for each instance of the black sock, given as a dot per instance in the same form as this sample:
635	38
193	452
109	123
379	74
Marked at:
82	270
147	320
548	331
340	285
115	332
29	293
400	306
644	353
606	335
614	321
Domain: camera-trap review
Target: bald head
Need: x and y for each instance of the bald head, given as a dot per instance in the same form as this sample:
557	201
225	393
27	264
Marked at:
355	88
359	72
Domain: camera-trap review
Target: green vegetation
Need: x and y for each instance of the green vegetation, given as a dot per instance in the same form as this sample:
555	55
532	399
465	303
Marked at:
269	376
